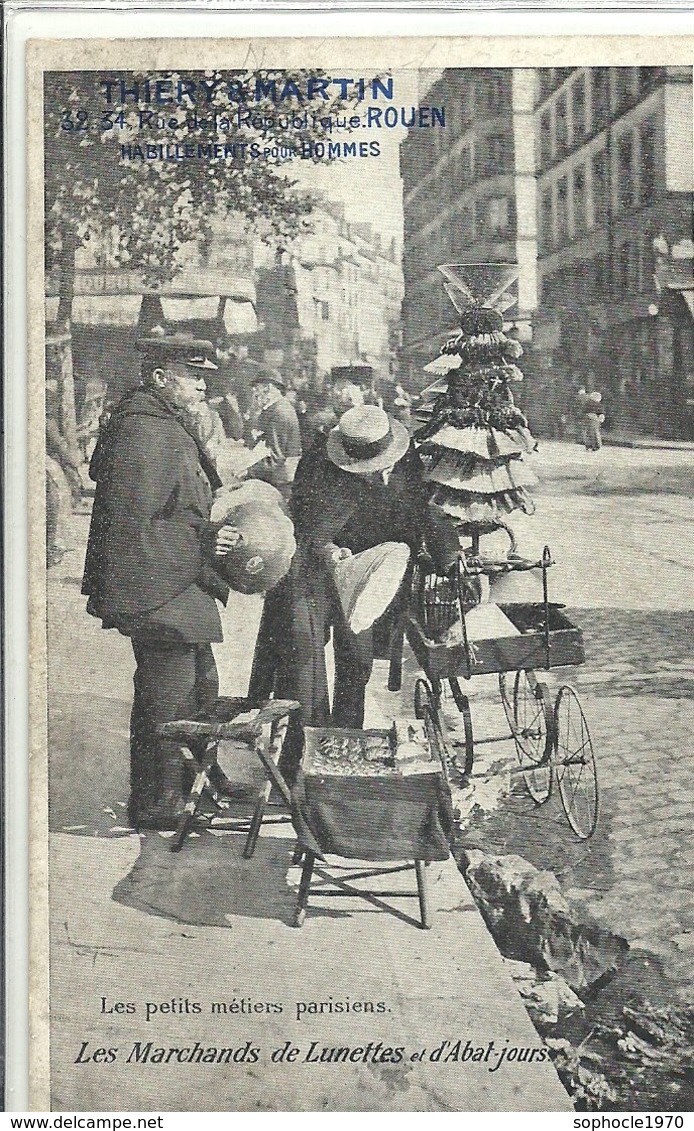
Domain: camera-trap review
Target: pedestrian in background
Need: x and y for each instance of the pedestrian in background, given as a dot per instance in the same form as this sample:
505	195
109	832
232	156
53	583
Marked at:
278	425
593	420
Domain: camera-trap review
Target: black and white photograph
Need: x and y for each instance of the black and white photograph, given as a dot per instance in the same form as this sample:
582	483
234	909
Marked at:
365	574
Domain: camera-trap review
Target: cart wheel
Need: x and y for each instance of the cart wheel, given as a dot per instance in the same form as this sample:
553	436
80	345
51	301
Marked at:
506	701
463	704
426	708
423	698
575	764
533	732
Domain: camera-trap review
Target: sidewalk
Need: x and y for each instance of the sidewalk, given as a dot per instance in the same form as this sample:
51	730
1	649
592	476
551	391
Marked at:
204	937
652	443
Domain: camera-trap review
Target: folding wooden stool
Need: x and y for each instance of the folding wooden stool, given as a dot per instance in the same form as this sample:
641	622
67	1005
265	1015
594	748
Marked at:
212	729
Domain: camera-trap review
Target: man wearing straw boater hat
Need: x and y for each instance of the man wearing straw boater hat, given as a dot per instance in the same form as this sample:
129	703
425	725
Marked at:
146	572
361	488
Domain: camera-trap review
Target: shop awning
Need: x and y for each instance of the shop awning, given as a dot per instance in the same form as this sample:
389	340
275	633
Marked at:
106	310
124	310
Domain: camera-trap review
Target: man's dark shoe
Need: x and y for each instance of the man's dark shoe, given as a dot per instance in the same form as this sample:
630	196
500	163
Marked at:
158	814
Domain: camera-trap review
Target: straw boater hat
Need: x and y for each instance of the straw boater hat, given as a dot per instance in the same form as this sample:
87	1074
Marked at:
366	440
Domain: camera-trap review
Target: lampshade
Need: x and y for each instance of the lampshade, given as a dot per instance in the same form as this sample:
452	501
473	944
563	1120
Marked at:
480	284
367	582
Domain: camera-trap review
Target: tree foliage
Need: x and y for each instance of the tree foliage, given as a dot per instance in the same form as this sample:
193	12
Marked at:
148	209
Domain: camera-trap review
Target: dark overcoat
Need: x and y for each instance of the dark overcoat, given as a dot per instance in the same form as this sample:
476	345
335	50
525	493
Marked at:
332	506
280	429
146	571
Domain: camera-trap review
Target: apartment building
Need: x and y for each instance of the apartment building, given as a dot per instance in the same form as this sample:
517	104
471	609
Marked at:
469	196
339	289
614	189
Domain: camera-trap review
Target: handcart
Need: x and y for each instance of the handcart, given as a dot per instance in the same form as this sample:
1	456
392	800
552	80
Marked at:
552	739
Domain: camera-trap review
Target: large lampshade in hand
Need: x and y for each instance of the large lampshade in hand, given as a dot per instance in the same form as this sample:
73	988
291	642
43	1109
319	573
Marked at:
265	551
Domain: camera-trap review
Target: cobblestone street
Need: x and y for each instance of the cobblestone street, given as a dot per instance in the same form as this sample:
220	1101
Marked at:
637	689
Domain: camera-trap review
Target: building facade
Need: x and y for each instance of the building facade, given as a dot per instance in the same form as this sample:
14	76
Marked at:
334	295
332	298
469	196
615	177
213	293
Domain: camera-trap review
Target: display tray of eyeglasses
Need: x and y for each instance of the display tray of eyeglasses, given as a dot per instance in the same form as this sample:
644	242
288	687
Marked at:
371	795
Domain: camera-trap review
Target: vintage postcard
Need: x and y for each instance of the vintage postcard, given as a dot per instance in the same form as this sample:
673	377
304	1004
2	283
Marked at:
361	431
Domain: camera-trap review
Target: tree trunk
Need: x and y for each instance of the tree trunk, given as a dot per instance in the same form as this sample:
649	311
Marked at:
65	373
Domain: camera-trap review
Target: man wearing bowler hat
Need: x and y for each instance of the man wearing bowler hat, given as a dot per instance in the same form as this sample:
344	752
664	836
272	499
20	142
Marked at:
146	572
279	426
362	487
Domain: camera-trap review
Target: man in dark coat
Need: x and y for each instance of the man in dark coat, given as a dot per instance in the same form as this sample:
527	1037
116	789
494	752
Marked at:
278	425
362	487
146	571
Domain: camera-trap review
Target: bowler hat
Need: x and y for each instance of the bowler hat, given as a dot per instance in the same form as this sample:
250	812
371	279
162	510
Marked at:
366	440
195	352
266	375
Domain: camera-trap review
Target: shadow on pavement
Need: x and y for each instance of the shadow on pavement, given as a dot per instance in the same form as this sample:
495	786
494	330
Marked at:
89	763
209	882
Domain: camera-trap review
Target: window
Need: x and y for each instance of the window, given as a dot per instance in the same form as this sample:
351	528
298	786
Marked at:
622	86
625	161
579	201
562	126
546	220
562	210
600	187
497	155
600	96
647	163
546	139
324	310
498	215
579	110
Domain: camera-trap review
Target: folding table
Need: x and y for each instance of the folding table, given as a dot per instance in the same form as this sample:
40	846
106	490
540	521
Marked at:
380	817
231	718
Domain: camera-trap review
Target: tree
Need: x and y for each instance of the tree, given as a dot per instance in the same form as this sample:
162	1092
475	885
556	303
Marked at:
98	186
